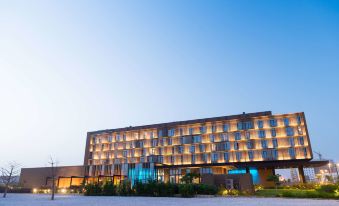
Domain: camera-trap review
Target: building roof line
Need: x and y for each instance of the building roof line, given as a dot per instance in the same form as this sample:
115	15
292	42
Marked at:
195	121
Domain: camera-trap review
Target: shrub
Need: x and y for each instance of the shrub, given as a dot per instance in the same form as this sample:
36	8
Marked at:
109	189
203	189
93	189
124	189
328	188
187	190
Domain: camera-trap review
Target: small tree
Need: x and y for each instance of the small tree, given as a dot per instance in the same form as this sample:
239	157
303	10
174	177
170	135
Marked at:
274	179
8	175
189	177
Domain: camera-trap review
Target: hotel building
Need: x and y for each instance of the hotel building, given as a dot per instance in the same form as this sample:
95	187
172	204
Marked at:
255	143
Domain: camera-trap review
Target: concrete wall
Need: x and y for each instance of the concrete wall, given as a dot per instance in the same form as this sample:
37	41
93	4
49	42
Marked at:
37	177
242	182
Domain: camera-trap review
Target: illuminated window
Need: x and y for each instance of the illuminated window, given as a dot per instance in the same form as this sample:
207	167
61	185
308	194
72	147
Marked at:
226	156
305	151
171	132
289	131
248	135
299	120
193	158
250	155
236	146
225	127
300	131
169	141
212	137
124	153
260	124
273	122
273	132
203	129
213	128
261	133
263	143
249	145
180	149
237	135
291	152
291	141
215	157
264	154
202	148
286	122
275	154
192	149
238	156
301	140
191	131
223	137
196	139
204	157
275	143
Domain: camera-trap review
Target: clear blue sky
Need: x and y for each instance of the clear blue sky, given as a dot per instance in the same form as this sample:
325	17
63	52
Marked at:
68	67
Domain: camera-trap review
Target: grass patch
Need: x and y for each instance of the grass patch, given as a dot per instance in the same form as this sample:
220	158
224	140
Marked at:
296	193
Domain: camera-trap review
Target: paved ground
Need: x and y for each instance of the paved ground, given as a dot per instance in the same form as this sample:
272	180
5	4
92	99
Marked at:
72	200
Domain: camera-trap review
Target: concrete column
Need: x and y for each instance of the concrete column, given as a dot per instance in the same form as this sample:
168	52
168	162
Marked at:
247	170
301	174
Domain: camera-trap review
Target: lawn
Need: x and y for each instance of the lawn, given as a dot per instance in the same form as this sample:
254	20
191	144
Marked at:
296	193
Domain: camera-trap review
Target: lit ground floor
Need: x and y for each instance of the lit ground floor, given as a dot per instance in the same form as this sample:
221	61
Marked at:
71	200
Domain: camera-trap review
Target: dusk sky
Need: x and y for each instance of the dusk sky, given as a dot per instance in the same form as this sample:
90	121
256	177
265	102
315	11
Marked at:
68	67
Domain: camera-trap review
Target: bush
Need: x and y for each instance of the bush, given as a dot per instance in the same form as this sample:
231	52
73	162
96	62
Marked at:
124	189
203	189
109	189
187	190
328	188
92	190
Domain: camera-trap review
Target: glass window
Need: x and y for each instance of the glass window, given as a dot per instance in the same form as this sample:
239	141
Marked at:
291	152
193	158
191	131
301	140
215	157
263	143
236	145
124	153
204	157
238	156
305	151
250	155
160	133
275	154
239	126
169	141
196	139
286	122
203	129
192	149
273	122
202	148
181	131
273	132
299	120
261	133
171	132
260	124
237	135
226	157
275	143
224	137
180	149
225	127
249	145
212	138
291	141
300	131
248	135
289	131
213	128
264	154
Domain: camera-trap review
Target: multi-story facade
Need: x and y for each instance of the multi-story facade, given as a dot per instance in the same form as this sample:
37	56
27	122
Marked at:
255	143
